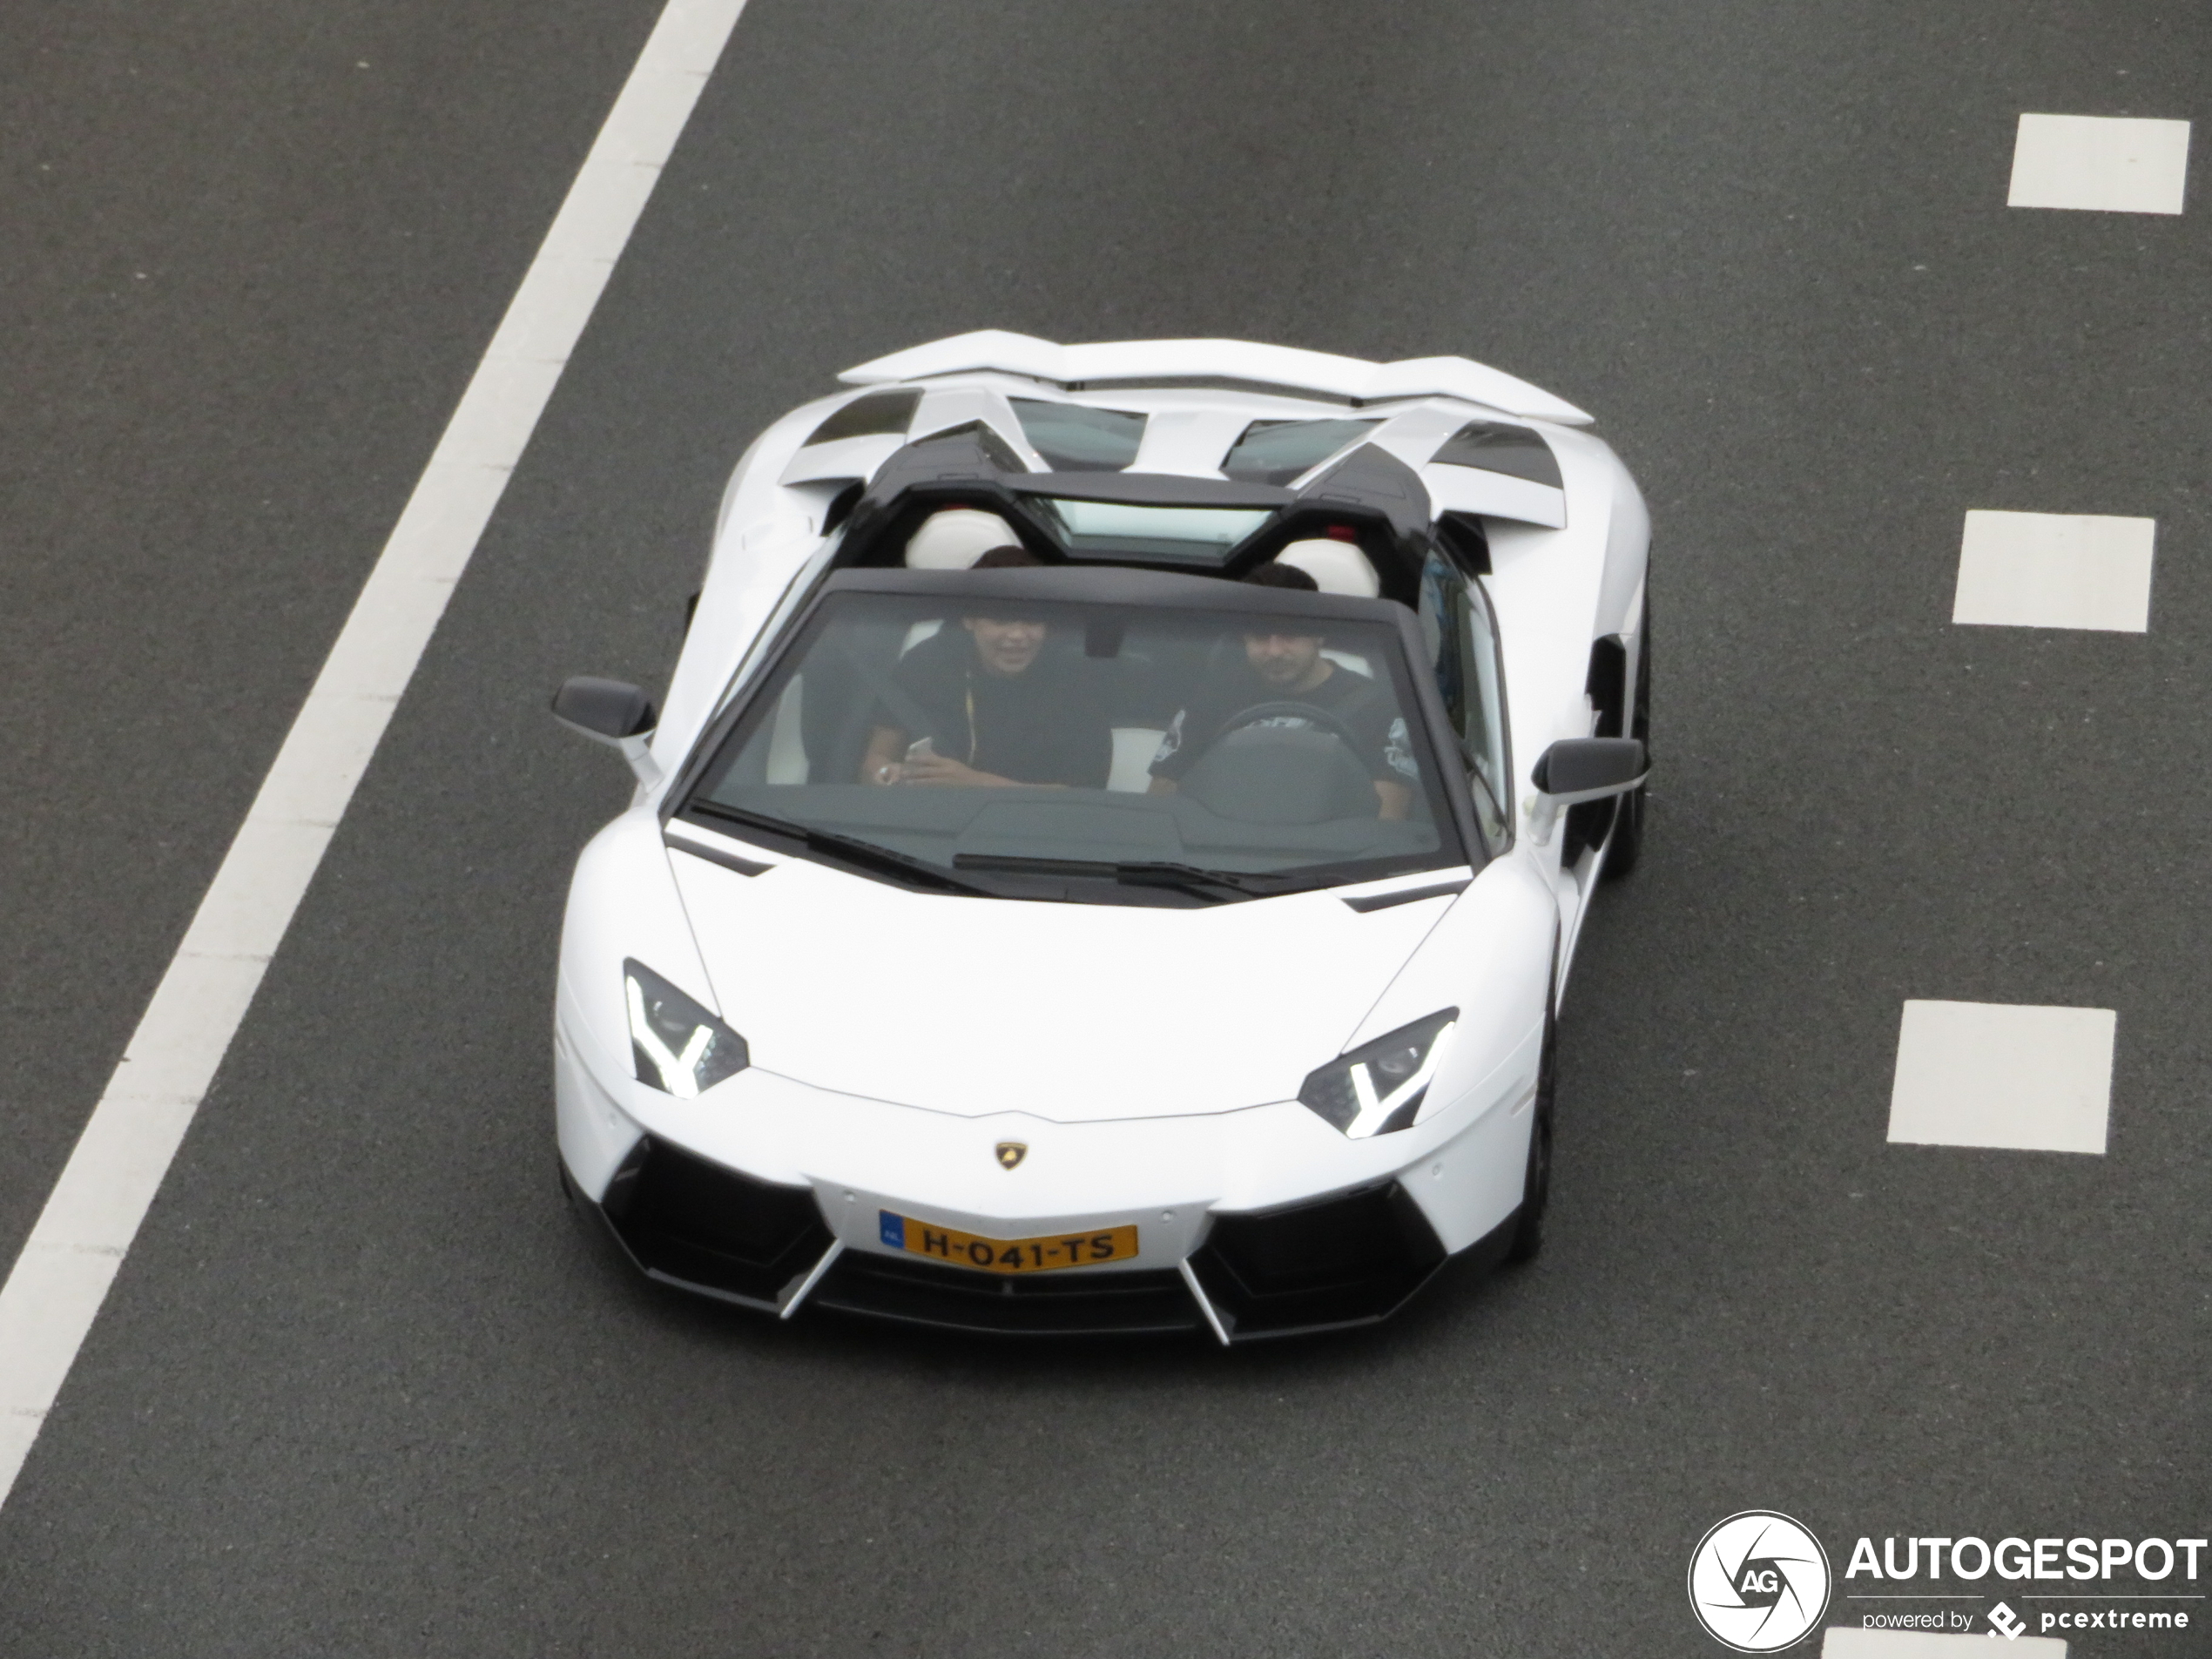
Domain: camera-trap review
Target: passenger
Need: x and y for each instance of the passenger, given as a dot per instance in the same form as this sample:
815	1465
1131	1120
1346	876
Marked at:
1289	667
1011	712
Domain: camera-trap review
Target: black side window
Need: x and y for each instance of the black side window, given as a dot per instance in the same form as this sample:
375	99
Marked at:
878	412
1274	452
1074	438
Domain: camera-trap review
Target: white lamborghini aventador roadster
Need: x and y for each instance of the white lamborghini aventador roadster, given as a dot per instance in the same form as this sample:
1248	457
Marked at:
1114	845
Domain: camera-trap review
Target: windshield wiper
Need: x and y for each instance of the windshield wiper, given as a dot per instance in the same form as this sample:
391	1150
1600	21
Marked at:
1217	885
851	849
1160	873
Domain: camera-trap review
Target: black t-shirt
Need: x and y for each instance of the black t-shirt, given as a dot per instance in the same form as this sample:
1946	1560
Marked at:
1368	708
1050	723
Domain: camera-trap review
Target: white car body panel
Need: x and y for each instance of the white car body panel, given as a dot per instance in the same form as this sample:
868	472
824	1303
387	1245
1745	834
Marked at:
1094	1011
1490	496
1148	1058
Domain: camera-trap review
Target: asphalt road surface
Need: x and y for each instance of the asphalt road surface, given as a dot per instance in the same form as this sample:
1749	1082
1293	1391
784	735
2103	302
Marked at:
364	1386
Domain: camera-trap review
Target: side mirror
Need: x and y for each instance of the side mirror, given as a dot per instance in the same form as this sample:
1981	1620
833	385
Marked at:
609	711
1575	770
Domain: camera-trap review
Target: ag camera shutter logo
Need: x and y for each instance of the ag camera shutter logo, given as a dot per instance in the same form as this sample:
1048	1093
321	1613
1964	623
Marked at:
1758	1581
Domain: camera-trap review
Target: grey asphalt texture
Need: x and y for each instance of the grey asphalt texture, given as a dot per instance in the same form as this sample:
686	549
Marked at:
364	1386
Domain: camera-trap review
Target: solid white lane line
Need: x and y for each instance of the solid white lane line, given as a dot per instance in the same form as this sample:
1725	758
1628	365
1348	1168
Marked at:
2055	571
55	1289
2104	164
1990	1074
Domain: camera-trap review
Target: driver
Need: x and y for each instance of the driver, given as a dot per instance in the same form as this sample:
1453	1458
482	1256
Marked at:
1003	711
1290	668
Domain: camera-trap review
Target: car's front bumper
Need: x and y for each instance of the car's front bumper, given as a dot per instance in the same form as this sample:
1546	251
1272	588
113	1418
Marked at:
1348	1260
1256	1223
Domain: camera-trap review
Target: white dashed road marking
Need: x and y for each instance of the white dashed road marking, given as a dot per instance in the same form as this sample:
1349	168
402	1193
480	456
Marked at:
55	1289
1843	1643
2055	571
1999	1074
2102	163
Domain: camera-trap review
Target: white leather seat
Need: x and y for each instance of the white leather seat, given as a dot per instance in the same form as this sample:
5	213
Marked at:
955	538
1336	567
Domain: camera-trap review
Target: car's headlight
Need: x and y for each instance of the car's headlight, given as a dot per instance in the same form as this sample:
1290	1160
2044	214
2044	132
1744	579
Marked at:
1378	1086
677	1045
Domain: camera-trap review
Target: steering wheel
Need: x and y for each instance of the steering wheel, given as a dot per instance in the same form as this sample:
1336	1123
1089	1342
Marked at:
1258	711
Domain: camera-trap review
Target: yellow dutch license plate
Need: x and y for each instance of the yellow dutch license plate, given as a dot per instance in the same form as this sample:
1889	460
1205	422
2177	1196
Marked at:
1038	1255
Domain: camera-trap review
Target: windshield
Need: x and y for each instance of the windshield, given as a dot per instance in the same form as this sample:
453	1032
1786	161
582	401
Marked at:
1101	752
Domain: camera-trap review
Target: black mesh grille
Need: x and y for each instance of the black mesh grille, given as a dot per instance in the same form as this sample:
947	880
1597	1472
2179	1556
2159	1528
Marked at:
1074	1303
697	1224
1349	1260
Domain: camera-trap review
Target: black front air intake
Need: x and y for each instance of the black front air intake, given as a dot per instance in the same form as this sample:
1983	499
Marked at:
690	1222
1347	1260
1094	1303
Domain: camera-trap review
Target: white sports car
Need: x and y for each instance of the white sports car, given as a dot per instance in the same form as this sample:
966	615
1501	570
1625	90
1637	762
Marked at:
1114	845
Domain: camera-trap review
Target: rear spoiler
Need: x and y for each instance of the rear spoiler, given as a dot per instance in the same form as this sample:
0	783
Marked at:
1229	363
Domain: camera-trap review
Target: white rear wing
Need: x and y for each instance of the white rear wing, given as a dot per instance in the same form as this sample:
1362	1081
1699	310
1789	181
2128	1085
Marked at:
1241	362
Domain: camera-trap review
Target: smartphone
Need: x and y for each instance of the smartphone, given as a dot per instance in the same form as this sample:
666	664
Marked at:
921	748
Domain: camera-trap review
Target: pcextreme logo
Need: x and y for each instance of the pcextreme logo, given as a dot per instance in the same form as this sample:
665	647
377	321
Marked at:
1758	1581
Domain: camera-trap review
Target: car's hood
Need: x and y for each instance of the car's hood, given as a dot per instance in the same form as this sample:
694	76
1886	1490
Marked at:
1072	1012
